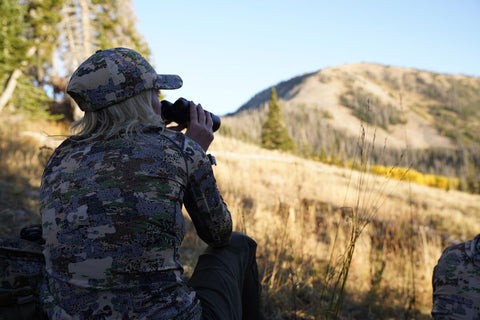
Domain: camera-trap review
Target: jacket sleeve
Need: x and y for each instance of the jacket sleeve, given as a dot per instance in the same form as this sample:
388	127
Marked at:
203	201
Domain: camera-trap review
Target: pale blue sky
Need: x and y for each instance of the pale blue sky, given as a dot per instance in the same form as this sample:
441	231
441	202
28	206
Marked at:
227	51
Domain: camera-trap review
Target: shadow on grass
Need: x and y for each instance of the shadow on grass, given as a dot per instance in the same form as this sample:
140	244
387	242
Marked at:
18	205
21	167
304	308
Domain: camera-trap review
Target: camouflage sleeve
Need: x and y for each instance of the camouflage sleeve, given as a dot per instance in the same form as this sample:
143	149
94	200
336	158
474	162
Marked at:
456	282
203	201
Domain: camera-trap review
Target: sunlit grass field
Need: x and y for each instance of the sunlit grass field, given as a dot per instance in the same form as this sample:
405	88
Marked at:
306	216
332	242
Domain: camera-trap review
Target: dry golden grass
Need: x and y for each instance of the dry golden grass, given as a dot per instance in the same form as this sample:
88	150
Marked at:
295	209
24	150
301	213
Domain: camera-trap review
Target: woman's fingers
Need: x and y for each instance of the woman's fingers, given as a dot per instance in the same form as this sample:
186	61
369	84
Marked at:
201	114
200	126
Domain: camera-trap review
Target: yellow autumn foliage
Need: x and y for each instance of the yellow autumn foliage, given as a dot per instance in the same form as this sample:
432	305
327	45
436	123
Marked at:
411	175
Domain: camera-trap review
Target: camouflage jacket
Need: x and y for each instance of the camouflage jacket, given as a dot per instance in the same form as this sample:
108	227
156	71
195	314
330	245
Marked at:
113	224
456	282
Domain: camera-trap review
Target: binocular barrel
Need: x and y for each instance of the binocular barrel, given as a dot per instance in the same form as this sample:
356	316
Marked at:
179	112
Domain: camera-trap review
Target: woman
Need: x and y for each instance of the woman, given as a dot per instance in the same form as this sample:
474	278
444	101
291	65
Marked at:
111	205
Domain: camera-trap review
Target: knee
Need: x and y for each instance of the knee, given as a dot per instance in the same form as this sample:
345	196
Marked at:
240	240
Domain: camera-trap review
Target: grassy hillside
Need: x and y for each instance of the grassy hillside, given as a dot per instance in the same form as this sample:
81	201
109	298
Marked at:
303	214
435	117
312	222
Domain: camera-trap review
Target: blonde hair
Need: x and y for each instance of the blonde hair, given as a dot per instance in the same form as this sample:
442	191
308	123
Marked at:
126	118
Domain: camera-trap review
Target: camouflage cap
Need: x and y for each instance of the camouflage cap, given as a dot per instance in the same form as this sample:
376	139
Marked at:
114	75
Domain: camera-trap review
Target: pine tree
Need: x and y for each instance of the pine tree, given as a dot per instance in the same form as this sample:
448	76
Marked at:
14	48
89	25
27	54
43	41
274	130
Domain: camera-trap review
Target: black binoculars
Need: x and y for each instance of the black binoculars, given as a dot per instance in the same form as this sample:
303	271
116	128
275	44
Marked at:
179	112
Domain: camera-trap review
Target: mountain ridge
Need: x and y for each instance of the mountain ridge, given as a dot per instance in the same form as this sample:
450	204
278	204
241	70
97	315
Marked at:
400	108
300	90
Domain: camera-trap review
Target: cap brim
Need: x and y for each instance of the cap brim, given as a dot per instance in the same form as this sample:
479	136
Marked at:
168	82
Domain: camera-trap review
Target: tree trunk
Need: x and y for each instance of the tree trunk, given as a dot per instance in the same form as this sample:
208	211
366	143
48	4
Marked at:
12	82
10	88
86	28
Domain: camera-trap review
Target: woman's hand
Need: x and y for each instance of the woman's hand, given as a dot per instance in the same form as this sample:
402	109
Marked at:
199	127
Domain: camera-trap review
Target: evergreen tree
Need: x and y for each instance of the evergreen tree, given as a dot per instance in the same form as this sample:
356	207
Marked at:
14	47
28	40
43	41
117	21
89	25
43	18
274	130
